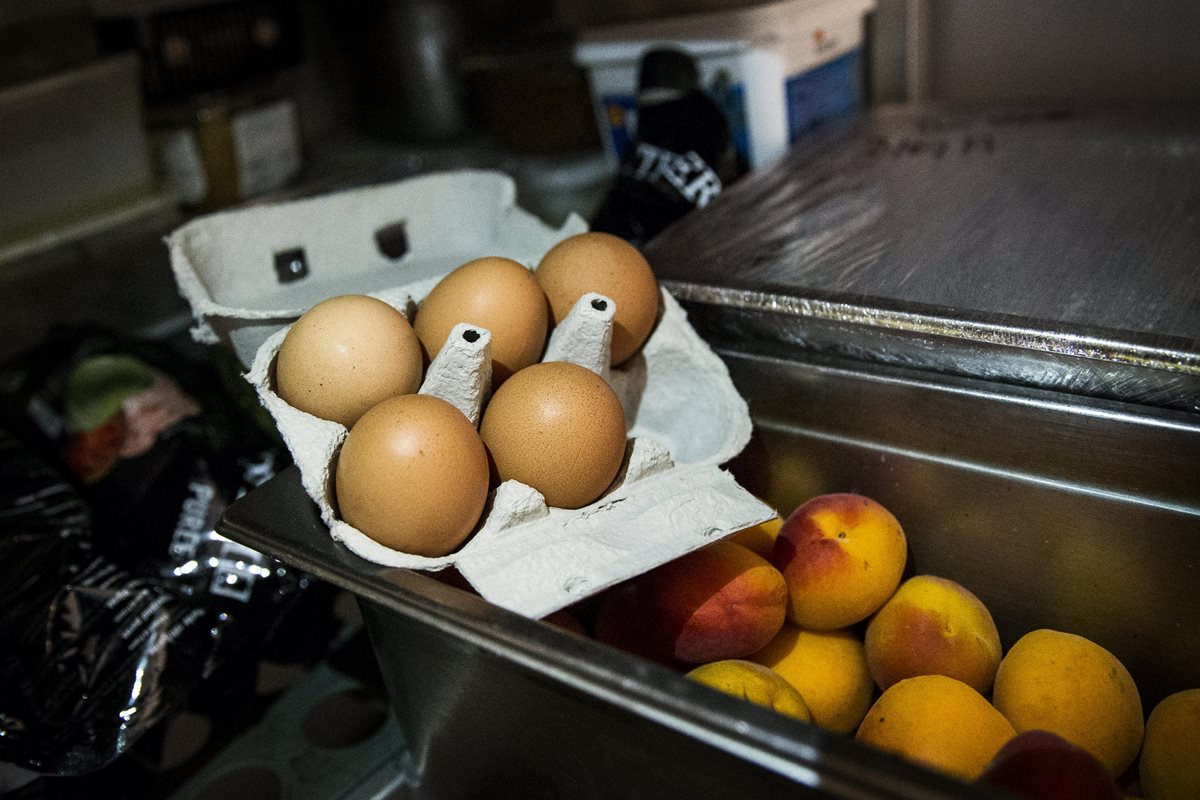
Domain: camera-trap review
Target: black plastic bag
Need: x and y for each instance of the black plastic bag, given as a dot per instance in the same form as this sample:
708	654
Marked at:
682	156
117	598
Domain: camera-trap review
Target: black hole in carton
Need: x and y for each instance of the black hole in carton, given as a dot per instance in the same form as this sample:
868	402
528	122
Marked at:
243	783
392	240
291	265
599	305
344	719
471	336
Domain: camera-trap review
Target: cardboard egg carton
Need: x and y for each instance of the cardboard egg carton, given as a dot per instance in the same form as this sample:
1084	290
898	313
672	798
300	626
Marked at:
684	419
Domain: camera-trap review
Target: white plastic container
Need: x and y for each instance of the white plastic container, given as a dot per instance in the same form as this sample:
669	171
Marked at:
776	69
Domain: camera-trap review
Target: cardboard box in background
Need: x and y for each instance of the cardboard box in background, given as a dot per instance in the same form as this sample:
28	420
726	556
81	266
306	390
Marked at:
778	69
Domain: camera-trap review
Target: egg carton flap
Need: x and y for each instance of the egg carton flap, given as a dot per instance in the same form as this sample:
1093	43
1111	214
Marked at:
247	272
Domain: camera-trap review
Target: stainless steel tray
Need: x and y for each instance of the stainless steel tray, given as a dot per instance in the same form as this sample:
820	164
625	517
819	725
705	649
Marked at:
1058	511
1042	248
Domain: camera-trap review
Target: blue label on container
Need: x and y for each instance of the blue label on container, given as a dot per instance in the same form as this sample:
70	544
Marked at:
620	112
826	92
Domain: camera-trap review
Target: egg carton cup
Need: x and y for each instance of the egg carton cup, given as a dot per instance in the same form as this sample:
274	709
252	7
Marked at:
684	419
247	272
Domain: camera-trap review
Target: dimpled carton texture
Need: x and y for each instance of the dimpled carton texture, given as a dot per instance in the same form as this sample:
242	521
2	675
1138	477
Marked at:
684	418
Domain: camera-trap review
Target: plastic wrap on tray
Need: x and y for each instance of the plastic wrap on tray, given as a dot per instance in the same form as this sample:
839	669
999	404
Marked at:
1050	249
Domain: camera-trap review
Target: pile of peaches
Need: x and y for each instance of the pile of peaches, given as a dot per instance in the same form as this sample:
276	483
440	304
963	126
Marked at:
809	616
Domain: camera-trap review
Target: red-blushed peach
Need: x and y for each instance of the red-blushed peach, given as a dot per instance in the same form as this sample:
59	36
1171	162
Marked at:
619	623
933	626
842	556
719	602
1040	765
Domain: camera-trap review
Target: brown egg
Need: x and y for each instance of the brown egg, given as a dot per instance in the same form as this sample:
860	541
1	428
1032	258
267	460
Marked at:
413	475
611	266
494	293
558	428
346	354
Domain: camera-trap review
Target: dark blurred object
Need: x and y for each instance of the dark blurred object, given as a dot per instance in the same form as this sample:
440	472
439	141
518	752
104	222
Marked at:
96	654
221	148
404	58
556	185
682	157
203	45
578	13
41	38
224	125
532	98
117	274
676	114
73	149
1040	765
118	601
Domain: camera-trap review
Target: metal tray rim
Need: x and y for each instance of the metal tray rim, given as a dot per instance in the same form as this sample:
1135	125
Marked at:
1128	348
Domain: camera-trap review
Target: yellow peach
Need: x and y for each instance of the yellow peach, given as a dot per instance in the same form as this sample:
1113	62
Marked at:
759	538
1170	763
754	682
842	556
829	668
933	626
1066	684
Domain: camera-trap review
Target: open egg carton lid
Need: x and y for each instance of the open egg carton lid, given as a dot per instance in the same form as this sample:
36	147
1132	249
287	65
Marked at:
683	415
248	272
